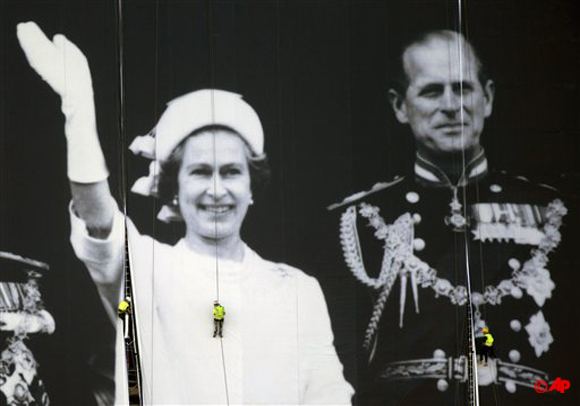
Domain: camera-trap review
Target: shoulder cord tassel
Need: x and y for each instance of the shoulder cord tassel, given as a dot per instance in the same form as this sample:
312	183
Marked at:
398	249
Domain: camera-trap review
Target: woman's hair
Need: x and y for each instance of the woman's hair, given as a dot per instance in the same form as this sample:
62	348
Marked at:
167	186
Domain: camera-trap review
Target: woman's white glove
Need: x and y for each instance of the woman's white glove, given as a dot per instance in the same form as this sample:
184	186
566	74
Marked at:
65	68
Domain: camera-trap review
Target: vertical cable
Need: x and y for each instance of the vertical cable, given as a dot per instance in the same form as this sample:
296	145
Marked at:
280	132
121	95
123	183
150	385
216	173
477	199
212	102
474	395
459	331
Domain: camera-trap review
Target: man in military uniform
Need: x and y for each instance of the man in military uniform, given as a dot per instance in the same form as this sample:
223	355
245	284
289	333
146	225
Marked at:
412	241
22	316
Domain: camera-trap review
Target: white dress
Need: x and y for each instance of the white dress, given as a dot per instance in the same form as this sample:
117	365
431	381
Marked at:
277	346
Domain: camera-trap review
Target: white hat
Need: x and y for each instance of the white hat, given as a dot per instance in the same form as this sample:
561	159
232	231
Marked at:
189	113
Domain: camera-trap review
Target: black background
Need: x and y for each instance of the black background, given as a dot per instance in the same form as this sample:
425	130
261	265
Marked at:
317	73
34	192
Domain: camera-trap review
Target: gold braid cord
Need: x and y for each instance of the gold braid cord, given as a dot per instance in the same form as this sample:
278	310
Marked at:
398	239
532	276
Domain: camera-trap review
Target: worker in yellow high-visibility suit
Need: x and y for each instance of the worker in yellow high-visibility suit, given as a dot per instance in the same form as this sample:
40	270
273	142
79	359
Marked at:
124	306
218	318
123	311
488	350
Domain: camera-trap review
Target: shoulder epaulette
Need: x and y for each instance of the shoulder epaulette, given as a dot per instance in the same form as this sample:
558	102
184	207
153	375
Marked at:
527	180
22	262
359	195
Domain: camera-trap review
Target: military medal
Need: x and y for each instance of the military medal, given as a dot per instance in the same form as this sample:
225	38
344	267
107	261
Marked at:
456	218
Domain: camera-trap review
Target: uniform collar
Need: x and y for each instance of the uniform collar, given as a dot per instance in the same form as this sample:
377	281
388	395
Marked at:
430	174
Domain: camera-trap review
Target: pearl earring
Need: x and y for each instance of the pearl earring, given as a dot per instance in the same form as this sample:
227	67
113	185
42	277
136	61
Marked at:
175	201
251	201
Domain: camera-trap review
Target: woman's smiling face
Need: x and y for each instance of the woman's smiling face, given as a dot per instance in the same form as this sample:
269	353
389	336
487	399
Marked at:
214	185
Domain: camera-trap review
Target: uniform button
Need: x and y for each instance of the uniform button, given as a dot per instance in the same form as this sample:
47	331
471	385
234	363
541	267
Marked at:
477	299
510	386
515	325
442	385
514	355
412	197
516	292
495	188
416	218
438	353
419	244
514	264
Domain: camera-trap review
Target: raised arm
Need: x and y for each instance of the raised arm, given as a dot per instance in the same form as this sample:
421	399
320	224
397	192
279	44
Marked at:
64	67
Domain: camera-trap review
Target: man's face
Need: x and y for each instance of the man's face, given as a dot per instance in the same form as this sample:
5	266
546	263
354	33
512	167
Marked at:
445	106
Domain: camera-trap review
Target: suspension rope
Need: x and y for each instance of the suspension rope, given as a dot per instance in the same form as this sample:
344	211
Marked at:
477	195
281	169
472	368
216	173
149	375
459	326
154	208
131	349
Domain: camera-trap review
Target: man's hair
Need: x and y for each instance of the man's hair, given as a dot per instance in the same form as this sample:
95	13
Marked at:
400	80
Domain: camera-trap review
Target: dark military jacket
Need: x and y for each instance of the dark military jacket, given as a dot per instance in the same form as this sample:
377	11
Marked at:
412	243
22	315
